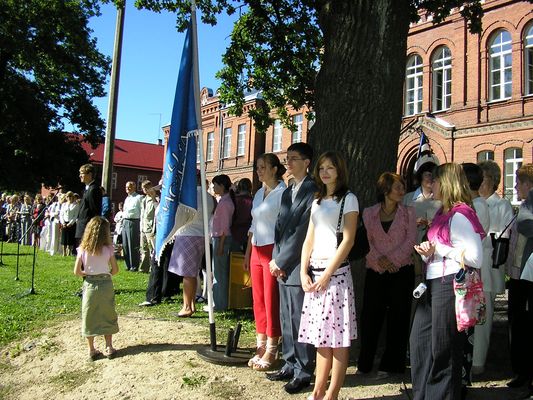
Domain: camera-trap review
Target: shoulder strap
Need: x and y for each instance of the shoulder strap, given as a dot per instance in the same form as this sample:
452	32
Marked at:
508	225
340	213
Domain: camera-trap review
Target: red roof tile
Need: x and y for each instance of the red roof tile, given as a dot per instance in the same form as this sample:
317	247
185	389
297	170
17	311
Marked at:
130	154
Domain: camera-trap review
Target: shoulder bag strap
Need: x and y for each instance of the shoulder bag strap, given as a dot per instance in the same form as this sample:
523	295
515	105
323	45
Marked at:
340	214
508	225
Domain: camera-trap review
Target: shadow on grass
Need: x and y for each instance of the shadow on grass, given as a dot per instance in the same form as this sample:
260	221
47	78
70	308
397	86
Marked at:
129	291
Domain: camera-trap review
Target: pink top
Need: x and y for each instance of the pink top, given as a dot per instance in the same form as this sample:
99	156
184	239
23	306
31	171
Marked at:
396	244
223	216
96	264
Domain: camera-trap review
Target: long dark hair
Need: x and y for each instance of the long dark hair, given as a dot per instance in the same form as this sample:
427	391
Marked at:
225	181
341	185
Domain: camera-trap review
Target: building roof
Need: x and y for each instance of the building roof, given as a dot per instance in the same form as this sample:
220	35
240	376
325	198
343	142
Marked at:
130	154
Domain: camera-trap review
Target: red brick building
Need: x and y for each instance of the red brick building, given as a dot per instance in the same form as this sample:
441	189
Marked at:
231	144
472	95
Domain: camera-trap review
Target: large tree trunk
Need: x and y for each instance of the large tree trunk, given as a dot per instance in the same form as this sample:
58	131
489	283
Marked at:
359	87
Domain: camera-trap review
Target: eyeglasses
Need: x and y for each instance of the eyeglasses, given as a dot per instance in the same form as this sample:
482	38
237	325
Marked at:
291	159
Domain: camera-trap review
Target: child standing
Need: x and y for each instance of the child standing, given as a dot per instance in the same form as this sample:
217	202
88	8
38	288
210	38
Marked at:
328	316
96	263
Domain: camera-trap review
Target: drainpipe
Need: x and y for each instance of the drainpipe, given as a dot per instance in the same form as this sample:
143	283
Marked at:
221	138
453	144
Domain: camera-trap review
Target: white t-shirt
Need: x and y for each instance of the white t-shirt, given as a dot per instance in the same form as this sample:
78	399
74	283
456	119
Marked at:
325	218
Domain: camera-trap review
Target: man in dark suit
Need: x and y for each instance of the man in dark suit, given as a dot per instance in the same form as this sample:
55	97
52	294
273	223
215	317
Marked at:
291	229
91	202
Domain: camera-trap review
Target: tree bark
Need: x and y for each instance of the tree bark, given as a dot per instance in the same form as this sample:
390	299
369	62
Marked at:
359	87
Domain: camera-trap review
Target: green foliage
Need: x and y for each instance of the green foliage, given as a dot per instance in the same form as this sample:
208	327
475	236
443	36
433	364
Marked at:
25	315
50	70
193	380
277	46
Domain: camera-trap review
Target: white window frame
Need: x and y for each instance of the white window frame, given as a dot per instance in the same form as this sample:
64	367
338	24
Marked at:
226	149
241	139
500	51
485	155
510	164
442	79
210	146
277	135
414	85
528	61
140	180
298	120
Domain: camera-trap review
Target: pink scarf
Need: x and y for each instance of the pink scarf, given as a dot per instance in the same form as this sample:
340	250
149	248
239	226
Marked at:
440	226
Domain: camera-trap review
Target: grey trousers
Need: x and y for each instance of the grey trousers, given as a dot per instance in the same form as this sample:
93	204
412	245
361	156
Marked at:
131	243
221	268
436	345
299	357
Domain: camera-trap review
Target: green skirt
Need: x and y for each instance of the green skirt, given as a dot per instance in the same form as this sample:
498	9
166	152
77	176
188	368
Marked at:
98	315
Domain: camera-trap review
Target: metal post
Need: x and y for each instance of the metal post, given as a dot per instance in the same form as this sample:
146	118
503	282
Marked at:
107	168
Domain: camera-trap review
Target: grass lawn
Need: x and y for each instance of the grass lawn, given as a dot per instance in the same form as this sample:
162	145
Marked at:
23	314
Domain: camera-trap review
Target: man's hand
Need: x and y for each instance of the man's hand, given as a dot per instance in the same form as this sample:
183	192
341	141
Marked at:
275	270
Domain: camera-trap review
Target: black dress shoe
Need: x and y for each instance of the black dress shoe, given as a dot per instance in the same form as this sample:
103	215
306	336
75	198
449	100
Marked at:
296	385
281	375
518	381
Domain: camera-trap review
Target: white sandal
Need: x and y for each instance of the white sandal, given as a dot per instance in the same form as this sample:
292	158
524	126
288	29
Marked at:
259	352
263	365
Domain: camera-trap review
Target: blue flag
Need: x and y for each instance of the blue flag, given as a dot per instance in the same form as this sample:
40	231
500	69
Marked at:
178	192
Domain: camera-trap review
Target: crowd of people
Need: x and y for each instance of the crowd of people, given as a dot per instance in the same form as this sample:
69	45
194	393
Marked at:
296	241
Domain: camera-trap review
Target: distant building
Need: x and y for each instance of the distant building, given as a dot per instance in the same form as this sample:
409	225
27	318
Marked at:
231	144
472	94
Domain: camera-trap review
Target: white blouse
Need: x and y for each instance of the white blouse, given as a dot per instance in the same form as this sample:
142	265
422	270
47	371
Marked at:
463	237
264	215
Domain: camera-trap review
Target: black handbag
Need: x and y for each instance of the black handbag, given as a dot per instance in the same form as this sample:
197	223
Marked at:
500	246
361	247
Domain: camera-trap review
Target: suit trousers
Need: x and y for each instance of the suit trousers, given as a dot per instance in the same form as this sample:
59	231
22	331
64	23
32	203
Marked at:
131	243
299	357
265	292
387	297
520	313
436	345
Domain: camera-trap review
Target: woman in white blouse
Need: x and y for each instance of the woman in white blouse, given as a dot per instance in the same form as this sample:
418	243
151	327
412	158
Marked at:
455	235
265	209
68	217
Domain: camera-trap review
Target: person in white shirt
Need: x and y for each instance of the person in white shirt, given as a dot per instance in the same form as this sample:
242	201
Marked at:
261	238
55	224
455	235
131	228
67	217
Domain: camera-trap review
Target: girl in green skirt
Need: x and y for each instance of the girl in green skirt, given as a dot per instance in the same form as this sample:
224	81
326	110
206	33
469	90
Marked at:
96	263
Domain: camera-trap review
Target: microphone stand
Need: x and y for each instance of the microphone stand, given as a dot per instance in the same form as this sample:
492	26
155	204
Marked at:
2	231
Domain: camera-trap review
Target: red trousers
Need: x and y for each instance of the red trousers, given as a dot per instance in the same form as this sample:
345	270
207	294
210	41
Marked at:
265	292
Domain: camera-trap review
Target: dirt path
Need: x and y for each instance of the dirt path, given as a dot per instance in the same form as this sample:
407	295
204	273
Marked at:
157	360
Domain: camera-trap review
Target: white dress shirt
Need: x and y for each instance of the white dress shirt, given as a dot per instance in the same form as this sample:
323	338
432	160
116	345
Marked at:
264	215
132	206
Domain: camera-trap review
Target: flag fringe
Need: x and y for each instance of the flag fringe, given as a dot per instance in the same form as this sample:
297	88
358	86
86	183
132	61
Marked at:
184	215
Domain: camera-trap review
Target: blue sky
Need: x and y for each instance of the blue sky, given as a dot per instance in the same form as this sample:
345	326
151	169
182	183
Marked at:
151	52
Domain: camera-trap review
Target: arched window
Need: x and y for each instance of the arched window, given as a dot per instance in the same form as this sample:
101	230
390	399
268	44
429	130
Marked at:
441	67
413	85
500	66
512	158
485	155
528	60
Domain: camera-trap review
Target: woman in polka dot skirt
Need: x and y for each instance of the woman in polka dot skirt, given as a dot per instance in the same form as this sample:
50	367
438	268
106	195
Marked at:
328	315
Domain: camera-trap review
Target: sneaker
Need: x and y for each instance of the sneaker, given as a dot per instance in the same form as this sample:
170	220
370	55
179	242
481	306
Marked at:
200	299
146	304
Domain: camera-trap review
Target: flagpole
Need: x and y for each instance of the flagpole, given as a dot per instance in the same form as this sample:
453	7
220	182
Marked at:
199	137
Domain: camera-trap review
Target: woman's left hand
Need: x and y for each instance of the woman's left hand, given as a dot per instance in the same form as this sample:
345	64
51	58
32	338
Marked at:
322	283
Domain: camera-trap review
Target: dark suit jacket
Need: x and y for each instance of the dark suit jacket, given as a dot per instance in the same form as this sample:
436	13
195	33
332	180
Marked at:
291	228
90	206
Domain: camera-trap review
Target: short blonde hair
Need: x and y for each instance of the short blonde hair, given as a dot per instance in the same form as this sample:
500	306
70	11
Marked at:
454	187
525	173
97	234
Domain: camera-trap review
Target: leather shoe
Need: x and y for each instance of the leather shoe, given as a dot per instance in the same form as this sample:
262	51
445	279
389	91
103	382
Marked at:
281	375
518	381
296	385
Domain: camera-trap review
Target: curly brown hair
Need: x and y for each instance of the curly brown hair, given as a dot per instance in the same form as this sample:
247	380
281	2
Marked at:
97	235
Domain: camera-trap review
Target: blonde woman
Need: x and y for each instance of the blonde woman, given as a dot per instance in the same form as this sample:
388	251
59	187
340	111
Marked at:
454	235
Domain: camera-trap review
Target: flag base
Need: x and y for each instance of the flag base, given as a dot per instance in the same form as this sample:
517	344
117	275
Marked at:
219	357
